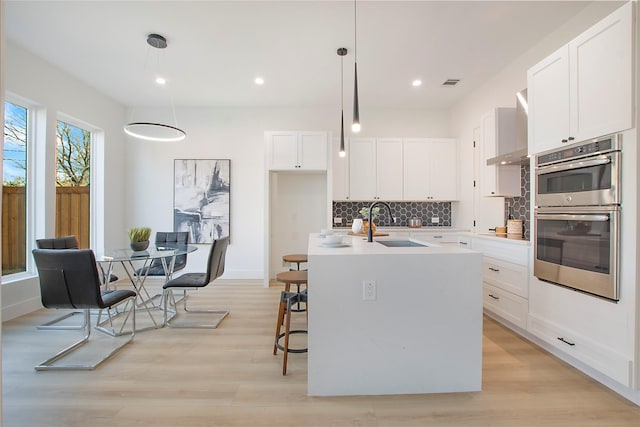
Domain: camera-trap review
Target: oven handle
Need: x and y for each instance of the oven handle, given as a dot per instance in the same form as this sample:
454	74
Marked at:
600	160
574	217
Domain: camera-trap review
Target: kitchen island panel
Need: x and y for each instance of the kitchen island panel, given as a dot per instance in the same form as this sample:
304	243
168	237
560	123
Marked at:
422	333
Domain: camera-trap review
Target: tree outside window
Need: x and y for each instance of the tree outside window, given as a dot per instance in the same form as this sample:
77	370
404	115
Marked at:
73	178
14	181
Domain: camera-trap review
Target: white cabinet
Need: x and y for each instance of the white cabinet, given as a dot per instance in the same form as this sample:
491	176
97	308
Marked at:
375	169
297	150
442	238
584	89
498	135
594	353
340	172
548	97
389	169
505	278
430	169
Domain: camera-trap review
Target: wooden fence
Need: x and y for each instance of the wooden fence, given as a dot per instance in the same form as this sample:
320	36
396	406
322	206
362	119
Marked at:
72	217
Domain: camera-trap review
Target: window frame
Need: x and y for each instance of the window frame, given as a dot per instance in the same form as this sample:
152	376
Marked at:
30	187
96	175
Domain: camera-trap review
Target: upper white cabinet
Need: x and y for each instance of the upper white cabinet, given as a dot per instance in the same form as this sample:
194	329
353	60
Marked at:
497	135
297	150
584	89
430	169
375	169
340	171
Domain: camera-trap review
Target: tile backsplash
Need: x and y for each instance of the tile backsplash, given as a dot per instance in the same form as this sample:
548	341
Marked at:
403	211
519	207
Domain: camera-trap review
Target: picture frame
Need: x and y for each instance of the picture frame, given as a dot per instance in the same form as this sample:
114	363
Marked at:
201	198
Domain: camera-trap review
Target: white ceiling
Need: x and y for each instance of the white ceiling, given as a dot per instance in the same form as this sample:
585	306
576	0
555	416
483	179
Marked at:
216	49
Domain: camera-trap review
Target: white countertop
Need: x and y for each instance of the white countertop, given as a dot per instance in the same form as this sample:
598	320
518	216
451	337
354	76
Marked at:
392	228
507	238
357	245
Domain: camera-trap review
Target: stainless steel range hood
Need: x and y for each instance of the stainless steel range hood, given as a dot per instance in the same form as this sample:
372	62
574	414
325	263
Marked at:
519	155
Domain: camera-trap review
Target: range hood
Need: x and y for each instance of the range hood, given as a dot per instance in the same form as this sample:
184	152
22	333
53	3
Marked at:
519	156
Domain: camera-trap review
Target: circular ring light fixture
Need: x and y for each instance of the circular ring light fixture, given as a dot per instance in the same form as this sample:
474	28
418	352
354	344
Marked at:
154	132
150	131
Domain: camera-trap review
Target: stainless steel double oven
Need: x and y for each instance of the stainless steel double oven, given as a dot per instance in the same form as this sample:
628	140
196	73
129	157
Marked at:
577	216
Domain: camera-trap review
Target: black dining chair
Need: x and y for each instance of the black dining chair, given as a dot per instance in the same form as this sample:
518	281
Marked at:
195	281
169	239
67	242
69	279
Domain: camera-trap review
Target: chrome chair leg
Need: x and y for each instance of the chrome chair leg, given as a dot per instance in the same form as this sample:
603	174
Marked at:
51	324
48	365
167	321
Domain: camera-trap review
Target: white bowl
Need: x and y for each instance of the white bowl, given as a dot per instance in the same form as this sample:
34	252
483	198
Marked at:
333	239
326	231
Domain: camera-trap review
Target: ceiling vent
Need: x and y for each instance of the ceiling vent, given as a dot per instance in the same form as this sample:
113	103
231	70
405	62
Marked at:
451	82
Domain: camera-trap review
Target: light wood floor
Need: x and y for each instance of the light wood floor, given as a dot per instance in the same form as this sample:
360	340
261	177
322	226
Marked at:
228	376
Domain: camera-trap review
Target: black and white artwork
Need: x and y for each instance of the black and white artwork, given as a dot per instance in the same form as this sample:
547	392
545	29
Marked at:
201	198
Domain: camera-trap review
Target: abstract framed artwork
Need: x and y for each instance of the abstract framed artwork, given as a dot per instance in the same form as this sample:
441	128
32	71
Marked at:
201	198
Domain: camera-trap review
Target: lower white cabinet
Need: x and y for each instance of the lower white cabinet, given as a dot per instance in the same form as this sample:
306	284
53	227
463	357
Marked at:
600	357
505	279
511	277
508	306
442	238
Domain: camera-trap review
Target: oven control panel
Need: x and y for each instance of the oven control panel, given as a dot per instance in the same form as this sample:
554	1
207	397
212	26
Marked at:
600	145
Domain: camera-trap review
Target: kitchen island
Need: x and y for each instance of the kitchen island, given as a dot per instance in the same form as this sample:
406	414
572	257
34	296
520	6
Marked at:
393	320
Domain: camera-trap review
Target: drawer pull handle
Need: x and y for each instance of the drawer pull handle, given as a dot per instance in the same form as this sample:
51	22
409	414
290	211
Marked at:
494	269
463	243
566	342
497	298
437	237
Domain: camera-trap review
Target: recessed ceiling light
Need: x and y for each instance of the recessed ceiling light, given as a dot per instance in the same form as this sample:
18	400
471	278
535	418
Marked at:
416	83
161	80
259	80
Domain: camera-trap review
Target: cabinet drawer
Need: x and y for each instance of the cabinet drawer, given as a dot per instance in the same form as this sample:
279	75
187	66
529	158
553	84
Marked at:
506	305
507	276
504	250
604	359
435	237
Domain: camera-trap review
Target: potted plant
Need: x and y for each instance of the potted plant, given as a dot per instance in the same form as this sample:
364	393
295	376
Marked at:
139	238
364	212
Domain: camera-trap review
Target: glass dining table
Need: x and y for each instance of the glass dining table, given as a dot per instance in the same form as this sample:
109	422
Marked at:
136	266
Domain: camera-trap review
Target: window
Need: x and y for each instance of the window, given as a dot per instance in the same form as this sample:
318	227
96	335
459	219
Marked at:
14	182
73	176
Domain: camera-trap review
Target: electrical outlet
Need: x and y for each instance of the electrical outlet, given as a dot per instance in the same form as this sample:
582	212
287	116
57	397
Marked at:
435	220
369	291
337	220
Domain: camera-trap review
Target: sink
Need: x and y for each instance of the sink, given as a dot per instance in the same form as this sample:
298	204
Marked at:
399	243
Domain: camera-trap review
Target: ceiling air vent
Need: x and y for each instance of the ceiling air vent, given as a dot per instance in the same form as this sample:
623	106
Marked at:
451	82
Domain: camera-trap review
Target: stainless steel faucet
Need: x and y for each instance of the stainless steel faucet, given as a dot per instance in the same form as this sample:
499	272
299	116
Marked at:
370	232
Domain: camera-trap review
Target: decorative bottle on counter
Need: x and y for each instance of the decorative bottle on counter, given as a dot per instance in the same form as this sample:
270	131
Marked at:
357	226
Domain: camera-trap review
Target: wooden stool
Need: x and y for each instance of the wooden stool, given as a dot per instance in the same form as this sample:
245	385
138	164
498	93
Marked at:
295	259
297	277
287	300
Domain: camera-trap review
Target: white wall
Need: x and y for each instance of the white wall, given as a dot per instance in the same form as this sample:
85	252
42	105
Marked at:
238	134
55	92
500	92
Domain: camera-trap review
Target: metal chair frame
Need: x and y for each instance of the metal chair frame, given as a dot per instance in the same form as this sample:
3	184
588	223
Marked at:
58	278
215	269
67	242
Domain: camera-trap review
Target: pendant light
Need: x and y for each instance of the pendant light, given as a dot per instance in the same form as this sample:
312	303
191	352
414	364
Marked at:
342	52
355	126
151	131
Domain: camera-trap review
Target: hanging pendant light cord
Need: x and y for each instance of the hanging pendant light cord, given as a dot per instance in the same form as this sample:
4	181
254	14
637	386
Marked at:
355	33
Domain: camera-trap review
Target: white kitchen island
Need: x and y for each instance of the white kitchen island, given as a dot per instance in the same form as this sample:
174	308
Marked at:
418	329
